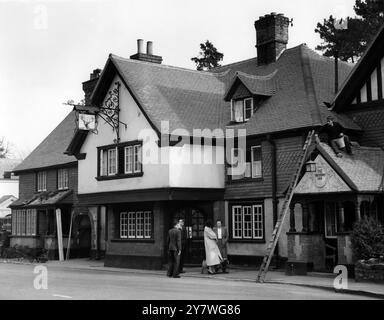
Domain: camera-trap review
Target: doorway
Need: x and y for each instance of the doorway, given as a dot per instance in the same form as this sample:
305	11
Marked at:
194	223
331	229
83	236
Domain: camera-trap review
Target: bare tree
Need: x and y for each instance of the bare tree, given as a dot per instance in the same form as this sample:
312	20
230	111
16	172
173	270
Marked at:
4	148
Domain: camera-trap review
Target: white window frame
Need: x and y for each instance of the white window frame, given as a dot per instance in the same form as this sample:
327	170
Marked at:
254	176
236	224
123	225
247	210
256	230
137	158
62	179
245	108
136	225
133	159
128	160
258	224
110	162
42	181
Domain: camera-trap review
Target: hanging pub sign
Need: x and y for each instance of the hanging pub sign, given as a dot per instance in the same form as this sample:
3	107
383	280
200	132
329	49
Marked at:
87	121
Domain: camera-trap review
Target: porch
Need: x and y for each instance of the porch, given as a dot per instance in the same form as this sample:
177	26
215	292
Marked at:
320	230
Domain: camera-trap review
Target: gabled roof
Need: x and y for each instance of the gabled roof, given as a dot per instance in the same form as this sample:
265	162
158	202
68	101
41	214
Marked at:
256	85
304	81
300	79
363	171
187	99
50	152
361	72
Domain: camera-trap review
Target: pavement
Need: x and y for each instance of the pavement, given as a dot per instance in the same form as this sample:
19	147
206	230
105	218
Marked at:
236	274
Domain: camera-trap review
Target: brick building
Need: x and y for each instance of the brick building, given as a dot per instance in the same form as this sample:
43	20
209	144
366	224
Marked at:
48	181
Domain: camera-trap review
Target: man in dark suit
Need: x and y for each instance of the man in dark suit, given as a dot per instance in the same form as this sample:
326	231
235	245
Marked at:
183	242
174	250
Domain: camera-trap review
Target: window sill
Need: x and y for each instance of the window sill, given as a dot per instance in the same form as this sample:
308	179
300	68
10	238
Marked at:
133	240
120	176
250	241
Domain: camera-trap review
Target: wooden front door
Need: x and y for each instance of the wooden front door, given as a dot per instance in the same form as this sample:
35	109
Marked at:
194	224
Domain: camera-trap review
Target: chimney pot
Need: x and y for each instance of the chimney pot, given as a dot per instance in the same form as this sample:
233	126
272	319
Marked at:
140	46
150	48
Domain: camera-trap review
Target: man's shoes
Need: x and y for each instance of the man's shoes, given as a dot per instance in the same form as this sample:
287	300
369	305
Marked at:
224	271
182	271
176	277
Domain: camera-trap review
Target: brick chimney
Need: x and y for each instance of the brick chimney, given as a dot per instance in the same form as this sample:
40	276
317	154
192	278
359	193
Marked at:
148	56
90	84
271	37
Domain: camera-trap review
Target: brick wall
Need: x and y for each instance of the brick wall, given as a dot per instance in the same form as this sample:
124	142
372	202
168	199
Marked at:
27	182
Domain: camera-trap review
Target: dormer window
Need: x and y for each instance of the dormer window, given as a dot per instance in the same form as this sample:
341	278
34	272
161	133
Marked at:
242	110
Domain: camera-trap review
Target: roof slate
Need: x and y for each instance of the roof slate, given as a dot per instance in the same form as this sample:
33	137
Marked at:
300	81
50	152
365	168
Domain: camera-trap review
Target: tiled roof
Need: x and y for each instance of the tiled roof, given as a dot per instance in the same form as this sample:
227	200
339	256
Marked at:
50	152
7	165
257	85
303	81
188	99
365	167
43	199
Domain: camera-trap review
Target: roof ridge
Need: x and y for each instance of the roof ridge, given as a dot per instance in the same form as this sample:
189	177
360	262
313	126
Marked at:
310	86
165	66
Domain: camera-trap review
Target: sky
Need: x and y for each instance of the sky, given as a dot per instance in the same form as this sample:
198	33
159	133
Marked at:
48	48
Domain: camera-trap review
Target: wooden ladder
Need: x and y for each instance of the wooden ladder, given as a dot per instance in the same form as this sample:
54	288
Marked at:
284	211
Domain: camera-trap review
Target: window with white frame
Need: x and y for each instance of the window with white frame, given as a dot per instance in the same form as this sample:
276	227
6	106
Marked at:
242	110
248	222
62	179
136	225
108	162
41	181
24	222
133	159
256	160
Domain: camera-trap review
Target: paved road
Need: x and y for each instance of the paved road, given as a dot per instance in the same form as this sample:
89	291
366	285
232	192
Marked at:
17	282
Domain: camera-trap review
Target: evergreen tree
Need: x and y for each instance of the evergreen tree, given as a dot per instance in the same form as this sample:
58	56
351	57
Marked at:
208	58
350	44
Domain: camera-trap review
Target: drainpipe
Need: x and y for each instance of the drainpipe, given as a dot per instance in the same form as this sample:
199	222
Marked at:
275	201
98	233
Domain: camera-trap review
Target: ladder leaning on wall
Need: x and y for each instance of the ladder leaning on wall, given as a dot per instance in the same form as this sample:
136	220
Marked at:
284	211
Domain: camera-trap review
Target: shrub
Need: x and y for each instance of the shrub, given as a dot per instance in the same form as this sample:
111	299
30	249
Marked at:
367	239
